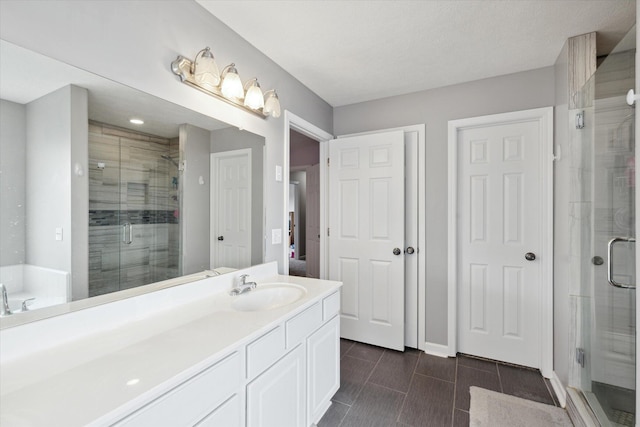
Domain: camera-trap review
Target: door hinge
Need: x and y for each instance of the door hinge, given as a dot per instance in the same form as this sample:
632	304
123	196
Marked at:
580	120
327	231
328	162
580	356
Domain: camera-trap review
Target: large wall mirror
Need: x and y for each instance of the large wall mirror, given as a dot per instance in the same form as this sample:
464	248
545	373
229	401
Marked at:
105	189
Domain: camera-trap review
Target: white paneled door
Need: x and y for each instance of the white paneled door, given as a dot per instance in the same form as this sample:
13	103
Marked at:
231	209
366	241
499	242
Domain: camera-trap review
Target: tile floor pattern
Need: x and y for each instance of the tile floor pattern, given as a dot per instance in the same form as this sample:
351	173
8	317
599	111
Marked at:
383	388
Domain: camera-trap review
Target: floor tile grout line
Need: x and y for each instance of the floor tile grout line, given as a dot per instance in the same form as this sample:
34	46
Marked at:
387	388
413	375
455	389
345	416
359	358
476	369
355	399
406	396
374	367
435	378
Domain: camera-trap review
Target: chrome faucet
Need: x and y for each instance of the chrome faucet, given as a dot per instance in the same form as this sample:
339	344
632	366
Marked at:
4	306
25	306
243	286
211	273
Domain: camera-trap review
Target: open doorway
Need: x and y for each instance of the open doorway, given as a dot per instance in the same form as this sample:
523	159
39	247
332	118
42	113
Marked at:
321	138
304	206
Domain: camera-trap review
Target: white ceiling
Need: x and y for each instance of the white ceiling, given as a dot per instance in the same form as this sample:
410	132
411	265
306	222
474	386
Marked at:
349	51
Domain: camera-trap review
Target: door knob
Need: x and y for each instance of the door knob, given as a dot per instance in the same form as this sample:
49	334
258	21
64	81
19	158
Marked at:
529	256
410	250
221	238
397	251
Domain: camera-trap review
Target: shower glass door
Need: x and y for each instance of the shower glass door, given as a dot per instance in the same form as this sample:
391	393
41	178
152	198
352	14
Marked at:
607	238
134	235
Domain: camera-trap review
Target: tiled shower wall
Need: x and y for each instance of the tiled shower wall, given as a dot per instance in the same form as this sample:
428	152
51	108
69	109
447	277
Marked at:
130	182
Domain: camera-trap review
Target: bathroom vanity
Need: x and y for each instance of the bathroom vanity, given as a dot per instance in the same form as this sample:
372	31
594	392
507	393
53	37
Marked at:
180	356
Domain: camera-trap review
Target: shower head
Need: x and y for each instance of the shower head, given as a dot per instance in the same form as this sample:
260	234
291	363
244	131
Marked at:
166	157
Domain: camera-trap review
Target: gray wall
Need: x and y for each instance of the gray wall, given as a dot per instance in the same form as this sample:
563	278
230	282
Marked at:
13	142
145	36
194	210
513	92
57	128
79	155
233	139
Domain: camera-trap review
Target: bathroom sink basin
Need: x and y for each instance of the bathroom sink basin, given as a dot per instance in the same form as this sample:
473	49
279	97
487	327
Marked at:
268	296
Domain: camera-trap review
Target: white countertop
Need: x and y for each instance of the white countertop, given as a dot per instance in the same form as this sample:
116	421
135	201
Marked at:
99	378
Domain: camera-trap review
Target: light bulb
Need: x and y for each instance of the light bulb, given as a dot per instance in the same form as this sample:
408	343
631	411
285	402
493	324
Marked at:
254	98
271	104
231	84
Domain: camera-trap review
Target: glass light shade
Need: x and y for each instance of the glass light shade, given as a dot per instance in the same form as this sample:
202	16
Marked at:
206	72
231	83
272	104
254	98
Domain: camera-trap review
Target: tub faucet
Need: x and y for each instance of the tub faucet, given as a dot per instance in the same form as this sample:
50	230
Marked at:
4	307
243	286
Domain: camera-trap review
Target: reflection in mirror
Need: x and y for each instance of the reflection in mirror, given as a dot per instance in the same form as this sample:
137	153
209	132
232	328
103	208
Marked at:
94	202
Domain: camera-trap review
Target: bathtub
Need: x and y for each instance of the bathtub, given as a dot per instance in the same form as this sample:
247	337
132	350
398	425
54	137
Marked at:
46	285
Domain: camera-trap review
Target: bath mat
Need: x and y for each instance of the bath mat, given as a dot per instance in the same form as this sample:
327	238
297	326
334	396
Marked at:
492	409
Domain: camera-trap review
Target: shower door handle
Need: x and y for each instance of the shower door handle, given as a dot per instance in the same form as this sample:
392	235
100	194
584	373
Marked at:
127	233
610	278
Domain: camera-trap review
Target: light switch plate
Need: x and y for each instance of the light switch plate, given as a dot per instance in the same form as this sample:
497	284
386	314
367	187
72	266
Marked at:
59	234
276	236
278	173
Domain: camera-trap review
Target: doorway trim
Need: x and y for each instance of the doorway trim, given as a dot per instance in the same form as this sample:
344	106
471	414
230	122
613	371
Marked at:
544	116
297	123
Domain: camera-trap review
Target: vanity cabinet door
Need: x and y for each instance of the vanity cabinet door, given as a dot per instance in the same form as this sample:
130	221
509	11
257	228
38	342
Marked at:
323	369
277	397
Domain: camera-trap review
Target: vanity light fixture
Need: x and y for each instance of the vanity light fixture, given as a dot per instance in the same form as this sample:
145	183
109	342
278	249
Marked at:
202	73
204	69
136	121
271	104
231	87
254	98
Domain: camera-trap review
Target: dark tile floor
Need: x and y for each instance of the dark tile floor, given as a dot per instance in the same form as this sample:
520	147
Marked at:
388	388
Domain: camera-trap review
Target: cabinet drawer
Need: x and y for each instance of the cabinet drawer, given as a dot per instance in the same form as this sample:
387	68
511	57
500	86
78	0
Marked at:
264	351
228	414
192	400
330	306
303	324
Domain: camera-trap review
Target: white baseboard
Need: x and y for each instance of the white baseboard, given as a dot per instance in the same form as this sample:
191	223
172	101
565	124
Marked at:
559	389
436	349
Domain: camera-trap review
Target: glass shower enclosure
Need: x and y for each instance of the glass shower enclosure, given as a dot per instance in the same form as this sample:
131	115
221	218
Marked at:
134	235
604	230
